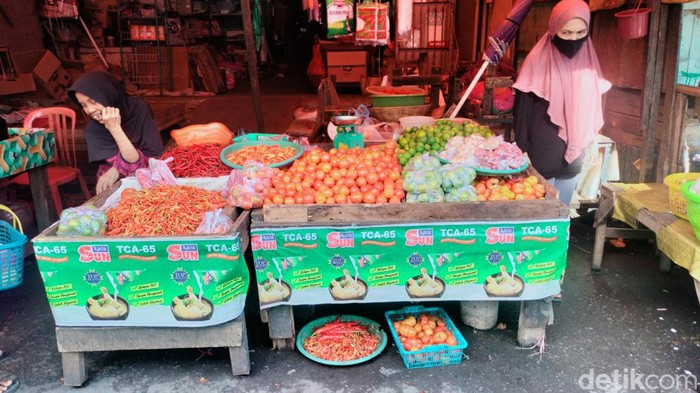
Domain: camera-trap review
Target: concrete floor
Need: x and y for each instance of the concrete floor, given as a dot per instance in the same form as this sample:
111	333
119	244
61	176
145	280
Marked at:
628	319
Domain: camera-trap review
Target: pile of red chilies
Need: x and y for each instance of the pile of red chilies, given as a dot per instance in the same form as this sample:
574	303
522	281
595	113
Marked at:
341	341
197	161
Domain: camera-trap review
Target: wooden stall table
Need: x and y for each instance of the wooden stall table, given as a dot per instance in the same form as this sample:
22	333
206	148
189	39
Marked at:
31	153
306	254
644	207
147	274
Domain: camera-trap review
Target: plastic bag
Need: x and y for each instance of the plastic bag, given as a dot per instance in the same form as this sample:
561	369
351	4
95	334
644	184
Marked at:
456	176
215	222
246	188
82	221
316	70
340	18
430	196
424	162
422	181
157	174
372	24
465	193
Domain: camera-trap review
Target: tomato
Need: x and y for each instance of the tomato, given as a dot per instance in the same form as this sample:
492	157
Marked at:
356	197
325	167
277	199
361	181
372	178
382	199
308	199
369	197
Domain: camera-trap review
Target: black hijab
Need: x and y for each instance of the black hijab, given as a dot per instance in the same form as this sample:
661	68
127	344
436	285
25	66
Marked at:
137	118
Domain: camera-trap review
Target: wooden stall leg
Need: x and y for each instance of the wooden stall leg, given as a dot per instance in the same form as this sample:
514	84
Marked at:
74	372
534	317
600	222
665	263
598	246
281	327
240	358
479	314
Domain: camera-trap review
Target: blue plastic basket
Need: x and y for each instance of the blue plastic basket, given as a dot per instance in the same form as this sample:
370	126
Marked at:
11	256
434	355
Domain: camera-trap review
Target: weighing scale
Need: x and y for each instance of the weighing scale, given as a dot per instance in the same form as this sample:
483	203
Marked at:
347	136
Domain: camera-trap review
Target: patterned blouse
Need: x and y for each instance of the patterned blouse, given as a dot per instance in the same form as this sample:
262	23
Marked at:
122	166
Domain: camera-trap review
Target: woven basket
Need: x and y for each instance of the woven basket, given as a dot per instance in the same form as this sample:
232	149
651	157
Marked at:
676	200
393	113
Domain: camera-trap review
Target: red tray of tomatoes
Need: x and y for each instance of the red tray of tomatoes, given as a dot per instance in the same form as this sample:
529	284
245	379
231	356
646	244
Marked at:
440	343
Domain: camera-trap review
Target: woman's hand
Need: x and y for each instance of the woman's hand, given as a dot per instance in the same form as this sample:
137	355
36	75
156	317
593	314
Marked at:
105	181
111	118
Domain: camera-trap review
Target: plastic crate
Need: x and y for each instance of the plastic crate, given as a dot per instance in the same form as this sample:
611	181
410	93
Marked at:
676	200
11	256
434	355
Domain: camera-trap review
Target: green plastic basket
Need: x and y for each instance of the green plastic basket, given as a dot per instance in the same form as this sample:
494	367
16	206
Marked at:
434	355
372	327
299	150
256	136
692	206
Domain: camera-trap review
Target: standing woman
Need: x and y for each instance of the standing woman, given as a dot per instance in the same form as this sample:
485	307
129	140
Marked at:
558	100
121	132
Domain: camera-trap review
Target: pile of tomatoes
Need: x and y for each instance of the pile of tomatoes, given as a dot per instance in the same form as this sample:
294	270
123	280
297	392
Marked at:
340	176
417	333
511	188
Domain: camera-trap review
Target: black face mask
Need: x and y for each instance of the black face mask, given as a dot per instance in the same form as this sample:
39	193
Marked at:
568	48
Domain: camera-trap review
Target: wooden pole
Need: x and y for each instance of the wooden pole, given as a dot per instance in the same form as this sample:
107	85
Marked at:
252	57
652	84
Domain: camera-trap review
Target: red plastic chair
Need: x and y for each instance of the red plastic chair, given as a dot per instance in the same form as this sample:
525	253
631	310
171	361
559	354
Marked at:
62	121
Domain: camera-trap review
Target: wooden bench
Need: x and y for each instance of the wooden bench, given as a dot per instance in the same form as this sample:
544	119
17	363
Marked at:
628	203
74	342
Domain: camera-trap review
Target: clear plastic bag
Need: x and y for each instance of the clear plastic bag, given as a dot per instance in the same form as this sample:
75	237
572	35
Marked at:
214	222
156	174
82	221
246	188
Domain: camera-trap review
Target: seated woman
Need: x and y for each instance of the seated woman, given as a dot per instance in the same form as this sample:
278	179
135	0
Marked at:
121	132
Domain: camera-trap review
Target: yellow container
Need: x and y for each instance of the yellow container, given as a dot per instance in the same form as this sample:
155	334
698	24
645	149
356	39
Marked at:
676	200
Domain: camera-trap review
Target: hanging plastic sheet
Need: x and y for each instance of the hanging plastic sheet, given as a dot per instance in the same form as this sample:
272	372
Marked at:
340	17
404	25
257	25
372	24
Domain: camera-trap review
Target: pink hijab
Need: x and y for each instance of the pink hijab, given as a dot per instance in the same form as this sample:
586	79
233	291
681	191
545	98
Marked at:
573	87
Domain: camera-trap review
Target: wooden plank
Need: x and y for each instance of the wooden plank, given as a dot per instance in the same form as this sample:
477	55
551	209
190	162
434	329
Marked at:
688	90
623	101
652	85
240	358
619	58
367	214
44	207
672	161
74	371
281	327
252	59
103	338
533	319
